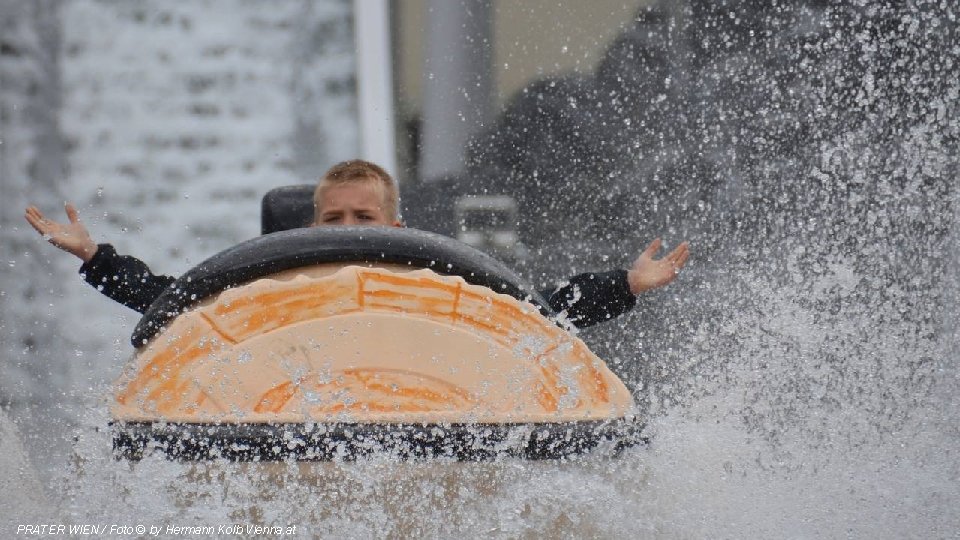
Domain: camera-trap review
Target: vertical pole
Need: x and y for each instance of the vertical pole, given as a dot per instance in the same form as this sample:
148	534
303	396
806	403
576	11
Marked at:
375	83
457	82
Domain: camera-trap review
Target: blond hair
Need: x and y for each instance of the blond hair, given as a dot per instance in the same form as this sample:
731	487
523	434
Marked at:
356	171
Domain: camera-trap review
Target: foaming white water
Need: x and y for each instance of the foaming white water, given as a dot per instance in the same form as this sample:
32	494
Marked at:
22	496
704	474
368	498
715	479
794	422
808	426
829	413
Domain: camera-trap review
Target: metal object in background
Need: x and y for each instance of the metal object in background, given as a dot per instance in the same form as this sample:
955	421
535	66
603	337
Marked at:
489	223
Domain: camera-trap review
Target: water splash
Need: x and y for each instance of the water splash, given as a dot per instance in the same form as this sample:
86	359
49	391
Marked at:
800	378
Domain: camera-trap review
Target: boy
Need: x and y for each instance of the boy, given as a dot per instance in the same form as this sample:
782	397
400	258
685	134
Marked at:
358	192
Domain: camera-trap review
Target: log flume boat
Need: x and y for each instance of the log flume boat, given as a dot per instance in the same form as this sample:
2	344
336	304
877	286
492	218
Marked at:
334	343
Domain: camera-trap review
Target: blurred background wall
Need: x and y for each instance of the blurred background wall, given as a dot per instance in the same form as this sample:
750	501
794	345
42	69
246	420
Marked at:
165	123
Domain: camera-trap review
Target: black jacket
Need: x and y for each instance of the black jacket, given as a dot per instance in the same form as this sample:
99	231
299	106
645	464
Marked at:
588	298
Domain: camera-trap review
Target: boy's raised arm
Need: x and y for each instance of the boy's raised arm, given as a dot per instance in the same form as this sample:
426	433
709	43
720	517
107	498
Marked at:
123	278
594	297
71	237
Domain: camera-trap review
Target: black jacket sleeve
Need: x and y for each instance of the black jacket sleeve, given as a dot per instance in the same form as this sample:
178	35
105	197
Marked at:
593	297
123	278
587	299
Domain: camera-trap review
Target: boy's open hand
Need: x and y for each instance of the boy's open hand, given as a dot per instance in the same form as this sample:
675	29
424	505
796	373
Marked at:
649	273
71	237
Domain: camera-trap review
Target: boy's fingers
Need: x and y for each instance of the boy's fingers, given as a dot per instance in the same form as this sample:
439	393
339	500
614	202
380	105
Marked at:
652	248
680	252
72	213
32	219
678	257
37	223
32	215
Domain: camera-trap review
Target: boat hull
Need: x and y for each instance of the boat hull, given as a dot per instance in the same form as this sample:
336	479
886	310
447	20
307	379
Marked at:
347	442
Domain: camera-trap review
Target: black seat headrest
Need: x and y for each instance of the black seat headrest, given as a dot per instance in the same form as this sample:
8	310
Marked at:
286	207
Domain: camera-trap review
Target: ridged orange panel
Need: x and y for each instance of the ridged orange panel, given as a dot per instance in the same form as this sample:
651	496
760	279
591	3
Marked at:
362	344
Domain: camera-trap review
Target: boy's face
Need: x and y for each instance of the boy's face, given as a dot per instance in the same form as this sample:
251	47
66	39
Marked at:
355	203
